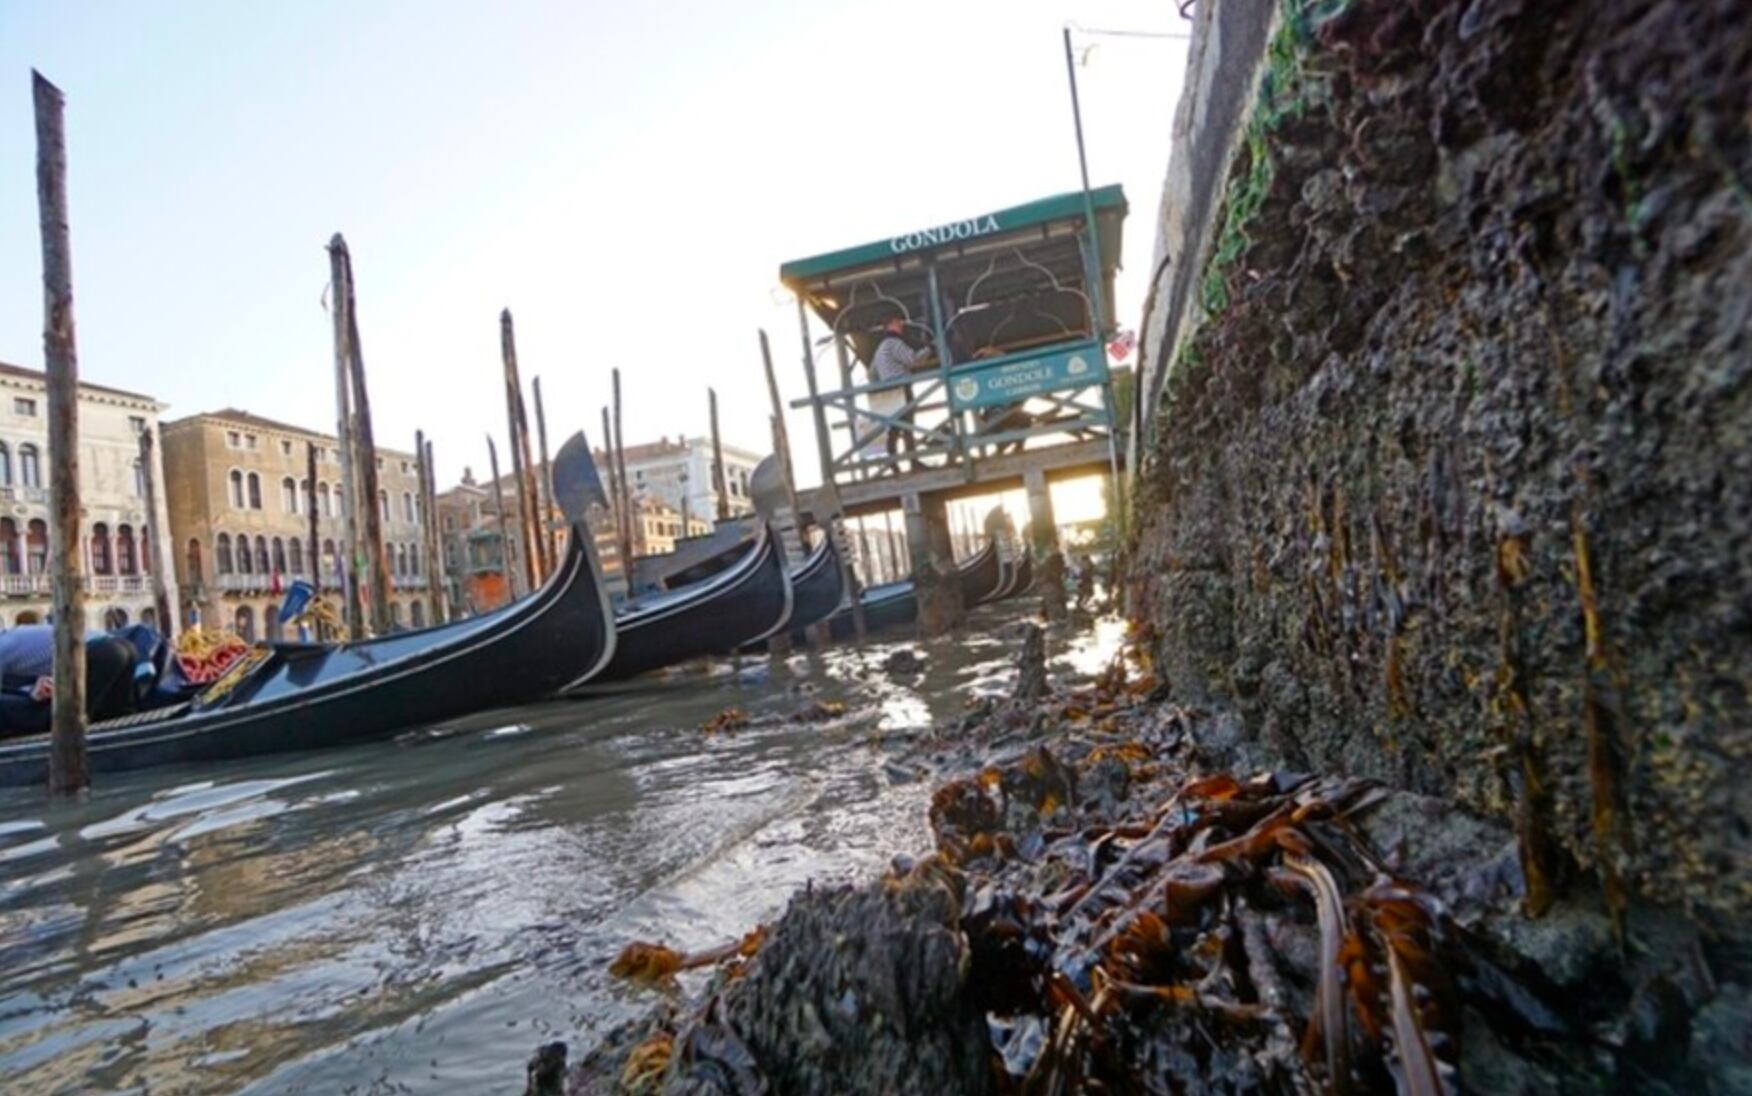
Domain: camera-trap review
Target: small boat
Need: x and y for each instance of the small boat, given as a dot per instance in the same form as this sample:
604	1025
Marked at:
886	606
981	576
310	696
895	603
742	604
817	586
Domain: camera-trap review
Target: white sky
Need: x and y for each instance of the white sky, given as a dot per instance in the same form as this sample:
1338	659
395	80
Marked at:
625	177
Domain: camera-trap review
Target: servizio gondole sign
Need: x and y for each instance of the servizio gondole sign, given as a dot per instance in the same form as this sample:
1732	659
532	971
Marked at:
1013	381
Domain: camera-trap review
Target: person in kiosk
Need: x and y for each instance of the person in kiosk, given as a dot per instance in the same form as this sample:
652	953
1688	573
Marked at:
894	359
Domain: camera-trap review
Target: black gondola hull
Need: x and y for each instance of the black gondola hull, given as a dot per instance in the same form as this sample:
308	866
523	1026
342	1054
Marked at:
743	604
317	697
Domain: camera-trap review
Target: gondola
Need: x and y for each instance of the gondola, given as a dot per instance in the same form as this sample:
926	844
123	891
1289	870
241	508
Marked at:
817	586
745	603
895	603
311	696
981	576
886	606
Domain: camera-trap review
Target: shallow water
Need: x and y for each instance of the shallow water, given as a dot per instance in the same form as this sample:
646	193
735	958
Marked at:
417	915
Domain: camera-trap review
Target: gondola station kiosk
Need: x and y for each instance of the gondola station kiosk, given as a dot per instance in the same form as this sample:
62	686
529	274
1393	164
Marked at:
1006	316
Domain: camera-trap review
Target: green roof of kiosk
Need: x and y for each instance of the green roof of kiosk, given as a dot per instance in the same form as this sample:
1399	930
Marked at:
1108	200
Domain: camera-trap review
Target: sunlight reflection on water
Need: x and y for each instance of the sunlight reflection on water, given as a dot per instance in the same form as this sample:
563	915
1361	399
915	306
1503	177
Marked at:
422	913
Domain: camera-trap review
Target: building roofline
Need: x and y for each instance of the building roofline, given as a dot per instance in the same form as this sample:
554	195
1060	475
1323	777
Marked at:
7	369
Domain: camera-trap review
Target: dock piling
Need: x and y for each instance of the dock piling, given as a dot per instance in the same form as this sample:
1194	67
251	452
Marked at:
545	482
518	444
340	300
69	768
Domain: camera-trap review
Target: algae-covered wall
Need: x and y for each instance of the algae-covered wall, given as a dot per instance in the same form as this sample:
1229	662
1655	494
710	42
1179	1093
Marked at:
1451	481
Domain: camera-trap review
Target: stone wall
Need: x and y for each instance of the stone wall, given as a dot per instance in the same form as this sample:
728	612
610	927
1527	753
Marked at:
1452	473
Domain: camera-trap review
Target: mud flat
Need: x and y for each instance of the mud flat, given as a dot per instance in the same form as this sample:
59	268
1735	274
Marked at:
1105	910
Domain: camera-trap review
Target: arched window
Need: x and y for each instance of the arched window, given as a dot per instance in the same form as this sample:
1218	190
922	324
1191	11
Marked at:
126	563
289	495
246	623
139	480
325	505
30	466
329	565
295	555
236	480
417	614
245	561
262	567
401	560
100	549
280	556
221	554
255	491
383	504
340	501
304	498
194	561
36	546
414	560
408	507
5	465
145	549
395	615
8	546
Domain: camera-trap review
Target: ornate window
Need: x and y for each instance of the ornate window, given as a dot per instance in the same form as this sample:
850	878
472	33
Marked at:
100	549
126	562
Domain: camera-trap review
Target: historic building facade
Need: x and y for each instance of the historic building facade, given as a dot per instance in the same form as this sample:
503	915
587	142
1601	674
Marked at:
122	544
678	471
237	486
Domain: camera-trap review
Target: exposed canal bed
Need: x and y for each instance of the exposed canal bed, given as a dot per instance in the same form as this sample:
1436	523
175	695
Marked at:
415	915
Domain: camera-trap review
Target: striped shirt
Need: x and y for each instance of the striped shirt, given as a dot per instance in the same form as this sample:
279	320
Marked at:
894	359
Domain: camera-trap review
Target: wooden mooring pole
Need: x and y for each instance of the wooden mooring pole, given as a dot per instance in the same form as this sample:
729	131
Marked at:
626	492
340	300
829	490
614	499
507	560
720	479
434	546
376	560
69	772
315	529
149	476
546	482
781	437
519	445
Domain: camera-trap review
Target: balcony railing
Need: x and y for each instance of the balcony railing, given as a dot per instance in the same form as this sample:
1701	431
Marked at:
39	584
1051	395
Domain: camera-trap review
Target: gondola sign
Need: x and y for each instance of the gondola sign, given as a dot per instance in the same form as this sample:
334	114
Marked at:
1011	381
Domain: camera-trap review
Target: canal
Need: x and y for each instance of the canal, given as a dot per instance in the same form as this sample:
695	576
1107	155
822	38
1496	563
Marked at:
417	915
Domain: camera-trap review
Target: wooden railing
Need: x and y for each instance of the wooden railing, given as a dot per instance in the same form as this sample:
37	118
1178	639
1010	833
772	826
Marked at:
1030	398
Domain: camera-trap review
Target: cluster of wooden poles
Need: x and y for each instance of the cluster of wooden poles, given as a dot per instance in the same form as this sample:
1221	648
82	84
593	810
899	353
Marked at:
530	550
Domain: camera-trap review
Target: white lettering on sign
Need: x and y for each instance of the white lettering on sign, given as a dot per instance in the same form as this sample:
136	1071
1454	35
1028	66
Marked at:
944	234
1021	377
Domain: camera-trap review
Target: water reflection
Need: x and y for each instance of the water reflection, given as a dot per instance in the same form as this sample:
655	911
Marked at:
420	913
